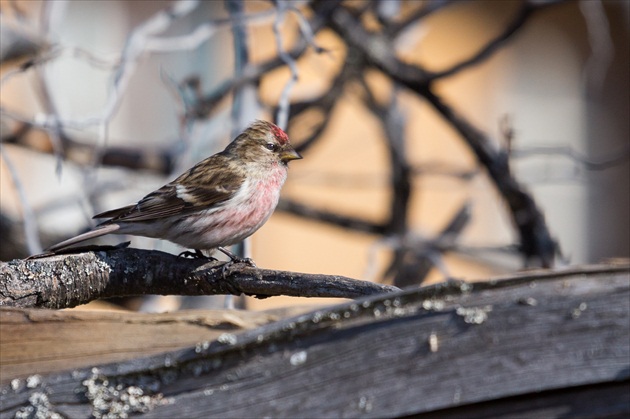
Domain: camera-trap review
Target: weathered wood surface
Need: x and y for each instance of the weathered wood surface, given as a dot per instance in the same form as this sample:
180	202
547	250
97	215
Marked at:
556	344
46	341
68	280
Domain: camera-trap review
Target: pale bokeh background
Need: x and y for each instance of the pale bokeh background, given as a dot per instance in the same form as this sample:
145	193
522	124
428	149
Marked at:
547	80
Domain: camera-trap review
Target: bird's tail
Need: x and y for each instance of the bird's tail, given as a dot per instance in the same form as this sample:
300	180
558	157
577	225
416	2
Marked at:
97	232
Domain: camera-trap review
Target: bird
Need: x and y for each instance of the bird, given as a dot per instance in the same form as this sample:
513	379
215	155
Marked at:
218	202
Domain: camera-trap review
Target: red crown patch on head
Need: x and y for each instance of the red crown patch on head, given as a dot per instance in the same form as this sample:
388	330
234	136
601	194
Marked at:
282	136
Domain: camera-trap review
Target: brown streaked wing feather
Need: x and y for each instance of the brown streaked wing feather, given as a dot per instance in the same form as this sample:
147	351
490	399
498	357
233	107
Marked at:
115	212
159	204
204	188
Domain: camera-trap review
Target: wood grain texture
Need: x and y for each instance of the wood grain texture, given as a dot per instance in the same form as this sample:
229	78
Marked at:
546	340
45	341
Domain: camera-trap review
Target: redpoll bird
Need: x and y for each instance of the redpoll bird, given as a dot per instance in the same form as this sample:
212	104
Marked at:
218	202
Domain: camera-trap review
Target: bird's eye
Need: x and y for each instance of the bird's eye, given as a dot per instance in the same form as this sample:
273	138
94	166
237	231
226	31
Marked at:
271	146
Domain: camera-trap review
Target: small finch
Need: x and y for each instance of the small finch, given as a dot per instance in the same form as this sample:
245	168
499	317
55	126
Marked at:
218	202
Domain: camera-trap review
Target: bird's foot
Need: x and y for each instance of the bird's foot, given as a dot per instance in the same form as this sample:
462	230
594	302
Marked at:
230	285
227	267
236	259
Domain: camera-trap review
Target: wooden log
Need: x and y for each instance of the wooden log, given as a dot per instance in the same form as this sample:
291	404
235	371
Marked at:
555	343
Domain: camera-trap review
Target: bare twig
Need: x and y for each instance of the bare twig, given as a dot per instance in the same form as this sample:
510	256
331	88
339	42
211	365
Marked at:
348	222
82	151
611	159
527	9
394	29
282	118
244	101
324	104
535	239
393	122
250	74
376	48
419	257
602	47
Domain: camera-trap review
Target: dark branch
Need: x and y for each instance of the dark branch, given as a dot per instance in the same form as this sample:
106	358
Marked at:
401	171
63	281
415	261
82	152
611	159
338	220
416	16
324	104
526	11
377	49
536	241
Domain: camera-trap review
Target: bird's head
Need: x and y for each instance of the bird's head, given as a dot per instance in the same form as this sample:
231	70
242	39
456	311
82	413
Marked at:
263	141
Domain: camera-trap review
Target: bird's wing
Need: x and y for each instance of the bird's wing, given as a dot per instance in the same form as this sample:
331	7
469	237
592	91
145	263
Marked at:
206	185
115	212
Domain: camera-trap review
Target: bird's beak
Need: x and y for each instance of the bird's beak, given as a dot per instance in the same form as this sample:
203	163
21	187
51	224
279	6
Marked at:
289	154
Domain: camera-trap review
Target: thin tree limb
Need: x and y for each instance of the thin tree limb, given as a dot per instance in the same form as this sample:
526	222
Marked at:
524	14
339	220
282	118
394	29
63	281
325	103
535	238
